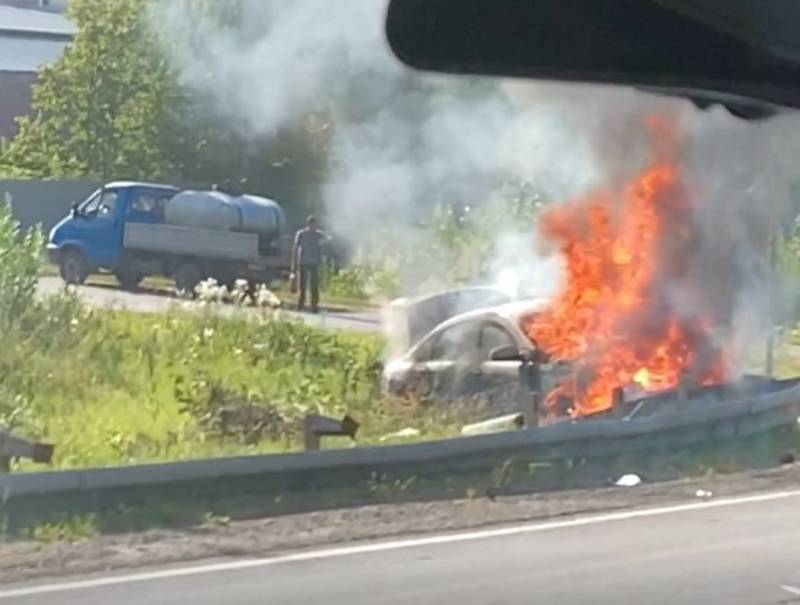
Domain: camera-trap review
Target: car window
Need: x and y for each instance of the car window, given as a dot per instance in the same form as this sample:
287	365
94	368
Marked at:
91	205
493	336
148	203
108	201
455	343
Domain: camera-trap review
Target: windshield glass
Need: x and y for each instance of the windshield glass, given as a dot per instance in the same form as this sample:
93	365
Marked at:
247	322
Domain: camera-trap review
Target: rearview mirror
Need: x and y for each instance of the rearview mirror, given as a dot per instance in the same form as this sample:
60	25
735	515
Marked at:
742	53
74	210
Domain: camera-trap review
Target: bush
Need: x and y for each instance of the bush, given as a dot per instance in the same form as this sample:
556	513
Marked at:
20	258
361	282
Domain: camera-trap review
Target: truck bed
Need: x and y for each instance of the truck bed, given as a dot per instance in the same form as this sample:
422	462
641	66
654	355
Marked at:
191	241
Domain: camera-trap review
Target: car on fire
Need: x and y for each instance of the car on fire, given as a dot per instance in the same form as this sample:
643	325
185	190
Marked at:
467	354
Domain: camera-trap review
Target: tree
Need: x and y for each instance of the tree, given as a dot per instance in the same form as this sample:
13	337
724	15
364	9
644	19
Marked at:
108	107
111	108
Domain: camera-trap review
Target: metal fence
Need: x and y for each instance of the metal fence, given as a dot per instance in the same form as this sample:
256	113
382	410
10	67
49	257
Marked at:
44	203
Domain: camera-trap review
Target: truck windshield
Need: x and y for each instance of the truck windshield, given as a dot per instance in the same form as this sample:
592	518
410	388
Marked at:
101	203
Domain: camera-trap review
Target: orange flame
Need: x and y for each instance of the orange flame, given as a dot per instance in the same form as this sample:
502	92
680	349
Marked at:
614	317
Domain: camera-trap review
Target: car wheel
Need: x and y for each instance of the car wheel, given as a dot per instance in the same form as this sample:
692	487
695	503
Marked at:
129	280
186	279
423	385
73	267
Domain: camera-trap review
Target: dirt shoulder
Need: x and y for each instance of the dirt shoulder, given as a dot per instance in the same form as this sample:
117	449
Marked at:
22	561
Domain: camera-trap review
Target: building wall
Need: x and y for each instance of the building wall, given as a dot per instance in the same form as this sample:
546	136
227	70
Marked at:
15	99
52	6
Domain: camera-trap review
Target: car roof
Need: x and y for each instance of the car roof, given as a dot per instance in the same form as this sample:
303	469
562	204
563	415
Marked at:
510	312
126	184
460	292
513	312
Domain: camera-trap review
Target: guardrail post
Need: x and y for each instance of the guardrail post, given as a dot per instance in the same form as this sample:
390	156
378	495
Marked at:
618	402
315	427
530	389
13	446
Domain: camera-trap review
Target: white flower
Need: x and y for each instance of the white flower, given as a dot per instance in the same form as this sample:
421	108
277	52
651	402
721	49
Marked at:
210	291
265	298
239	294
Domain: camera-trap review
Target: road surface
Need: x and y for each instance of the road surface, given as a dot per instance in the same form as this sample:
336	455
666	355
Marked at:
153	302
738	551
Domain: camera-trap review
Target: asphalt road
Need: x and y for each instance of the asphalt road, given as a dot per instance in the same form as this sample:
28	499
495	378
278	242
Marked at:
744	551
151	302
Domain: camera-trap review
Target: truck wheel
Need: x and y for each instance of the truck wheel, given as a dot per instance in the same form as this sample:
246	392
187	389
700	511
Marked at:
73	267
186	279
129	280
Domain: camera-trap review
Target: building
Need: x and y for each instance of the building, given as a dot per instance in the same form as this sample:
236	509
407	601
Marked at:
30	37
51	6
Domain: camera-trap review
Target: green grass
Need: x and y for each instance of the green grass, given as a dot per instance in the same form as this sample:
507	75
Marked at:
117	387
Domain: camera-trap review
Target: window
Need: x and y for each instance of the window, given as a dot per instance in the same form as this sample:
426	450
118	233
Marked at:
101	203
108	201
145	203
456	343
91	205
493	336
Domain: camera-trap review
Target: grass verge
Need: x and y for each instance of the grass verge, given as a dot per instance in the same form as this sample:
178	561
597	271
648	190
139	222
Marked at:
117	387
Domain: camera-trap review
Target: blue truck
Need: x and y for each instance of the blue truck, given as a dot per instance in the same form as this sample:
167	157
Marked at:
134	230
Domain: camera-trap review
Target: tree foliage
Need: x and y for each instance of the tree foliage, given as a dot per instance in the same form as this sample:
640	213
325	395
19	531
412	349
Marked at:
112	108
106	108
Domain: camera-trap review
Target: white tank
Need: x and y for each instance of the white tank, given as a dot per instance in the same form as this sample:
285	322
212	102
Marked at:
259	215
218	210
203	209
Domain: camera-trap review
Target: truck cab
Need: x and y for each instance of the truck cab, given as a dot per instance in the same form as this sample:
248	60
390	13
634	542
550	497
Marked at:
90	239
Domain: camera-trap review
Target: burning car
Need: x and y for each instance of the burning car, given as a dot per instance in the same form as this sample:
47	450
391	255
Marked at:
644	306
466	354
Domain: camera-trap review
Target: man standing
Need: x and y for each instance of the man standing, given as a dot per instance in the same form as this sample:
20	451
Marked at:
306	257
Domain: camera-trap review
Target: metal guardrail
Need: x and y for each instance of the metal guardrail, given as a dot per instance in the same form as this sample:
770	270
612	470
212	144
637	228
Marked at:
14	446
702	421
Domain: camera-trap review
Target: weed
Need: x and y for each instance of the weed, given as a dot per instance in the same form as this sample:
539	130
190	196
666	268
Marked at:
211	521
69	529
387	488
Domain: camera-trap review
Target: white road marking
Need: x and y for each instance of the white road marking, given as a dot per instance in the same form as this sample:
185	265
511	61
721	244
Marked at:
394	545
791	589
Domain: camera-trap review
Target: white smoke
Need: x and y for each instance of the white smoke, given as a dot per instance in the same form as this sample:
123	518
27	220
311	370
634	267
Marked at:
404	141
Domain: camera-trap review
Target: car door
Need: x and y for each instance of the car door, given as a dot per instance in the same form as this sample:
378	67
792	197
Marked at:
490	374
100	229
444	359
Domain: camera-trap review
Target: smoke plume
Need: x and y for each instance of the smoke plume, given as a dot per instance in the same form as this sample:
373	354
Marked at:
403	141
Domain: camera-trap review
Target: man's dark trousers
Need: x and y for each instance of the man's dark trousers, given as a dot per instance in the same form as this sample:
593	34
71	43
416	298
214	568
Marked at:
309	276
